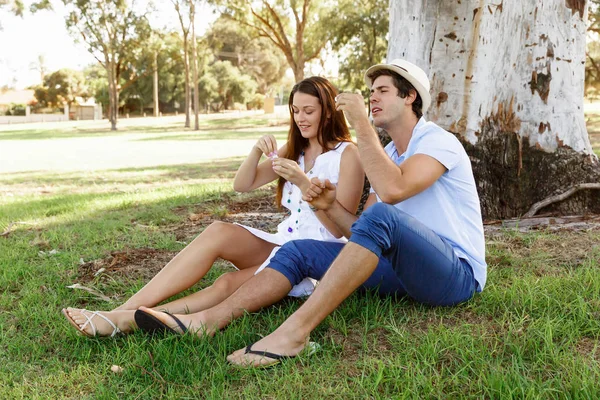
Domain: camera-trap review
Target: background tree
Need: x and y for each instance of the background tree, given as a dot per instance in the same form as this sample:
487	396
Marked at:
360	39
196	99
182	10
592	64
255	56
97	83
232	85
171	90
40	66
507	78
17	7
113	32
62	86
294	26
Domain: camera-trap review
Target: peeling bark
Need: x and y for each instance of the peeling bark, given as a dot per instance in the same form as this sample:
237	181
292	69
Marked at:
508	80
577	6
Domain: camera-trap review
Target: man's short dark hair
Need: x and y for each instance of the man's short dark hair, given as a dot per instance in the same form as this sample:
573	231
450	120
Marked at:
404	87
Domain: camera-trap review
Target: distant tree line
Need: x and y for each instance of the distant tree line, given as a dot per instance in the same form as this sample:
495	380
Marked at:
241	58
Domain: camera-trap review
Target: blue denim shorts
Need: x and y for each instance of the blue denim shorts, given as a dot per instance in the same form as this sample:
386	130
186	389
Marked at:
413	260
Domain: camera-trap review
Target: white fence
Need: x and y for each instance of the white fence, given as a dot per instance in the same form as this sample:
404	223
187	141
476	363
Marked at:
21	119
79	113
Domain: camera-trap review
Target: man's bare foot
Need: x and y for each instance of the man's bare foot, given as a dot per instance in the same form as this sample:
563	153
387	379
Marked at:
196	323
277	343
100	323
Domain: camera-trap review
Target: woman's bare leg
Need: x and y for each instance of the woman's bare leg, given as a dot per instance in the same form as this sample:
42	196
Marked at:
206	298
223	287
220	239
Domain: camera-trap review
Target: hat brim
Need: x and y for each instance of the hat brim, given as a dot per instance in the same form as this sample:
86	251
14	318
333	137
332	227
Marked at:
424	93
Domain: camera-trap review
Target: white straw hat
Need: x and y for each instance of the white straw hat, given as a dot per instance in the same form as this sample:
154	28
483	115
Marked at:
409	71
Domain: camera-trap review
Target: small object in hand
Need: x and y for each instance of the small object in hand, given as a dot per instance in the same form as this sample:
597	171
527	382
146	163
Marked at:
313	208
273	155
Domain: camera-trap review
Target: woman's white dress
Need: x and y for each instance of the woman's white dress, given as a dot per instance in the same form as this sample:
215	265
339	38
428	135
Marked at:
302	223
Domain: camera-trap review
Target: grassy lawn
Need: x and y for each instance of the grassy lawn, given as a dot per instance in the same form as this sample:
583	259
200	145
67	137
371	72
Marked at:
211	127
533	332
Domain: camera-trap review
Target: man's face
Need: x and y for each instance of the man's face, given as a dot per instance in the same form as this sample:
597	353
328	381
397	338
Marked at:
386	105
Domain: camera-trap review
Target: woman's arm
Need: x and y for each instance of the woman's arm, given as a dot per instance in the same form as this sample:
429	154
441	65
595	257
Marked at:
348	192
251	174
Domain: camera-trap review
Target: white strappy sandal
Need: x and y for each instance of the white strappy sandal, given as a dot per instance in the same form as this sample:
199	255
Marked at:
89	318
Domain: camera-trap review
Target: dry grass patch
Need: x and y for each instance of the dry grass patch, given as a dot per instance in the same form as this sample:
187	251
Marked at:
589	348
548	254
128	265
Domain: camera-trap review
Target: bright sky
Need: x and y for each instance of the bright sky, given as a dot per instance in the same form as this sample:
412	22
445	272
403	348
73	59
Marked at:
23	40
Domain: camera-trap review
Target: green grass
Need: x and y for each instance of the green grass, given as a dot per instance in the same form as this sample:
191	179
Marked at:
280	135
533	333
171	127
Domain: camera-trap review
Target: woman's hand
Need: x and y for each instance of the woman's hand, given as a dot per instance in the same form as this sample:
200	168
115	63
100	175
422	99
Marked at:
291	171
267	145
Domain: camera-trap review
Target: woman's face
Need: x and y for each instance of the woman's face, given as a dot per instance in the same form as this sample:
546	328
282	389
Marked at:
307	114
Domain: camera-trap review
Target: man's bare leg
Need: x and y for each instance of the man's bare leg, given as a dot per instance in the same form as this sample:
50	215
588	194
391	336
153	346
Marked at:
350	269
223	287
262	290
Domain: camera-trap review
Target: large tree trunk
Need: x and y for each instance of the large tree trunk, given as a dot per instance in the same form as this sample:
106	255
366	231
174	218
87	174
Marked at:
507	78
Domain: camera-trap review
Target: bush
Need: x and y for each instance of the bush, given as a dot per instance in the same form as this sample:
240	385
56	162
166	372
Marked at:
256	102
16	109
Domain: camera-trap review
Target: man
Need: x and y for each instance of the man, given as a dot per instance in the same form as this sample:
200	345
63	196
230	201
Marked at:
421	233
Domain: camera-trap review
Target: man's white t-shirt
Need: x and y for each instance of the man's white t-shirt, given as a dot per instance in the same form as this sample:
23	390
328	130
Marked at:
450	207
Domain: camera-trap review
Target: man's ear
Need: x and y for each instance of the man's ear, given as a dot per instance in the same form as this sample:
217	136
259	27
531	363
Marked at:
412	96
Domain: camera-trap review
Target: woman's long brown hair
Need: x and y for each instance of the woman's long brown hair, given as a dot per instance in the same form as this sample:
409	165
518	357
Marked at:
332	126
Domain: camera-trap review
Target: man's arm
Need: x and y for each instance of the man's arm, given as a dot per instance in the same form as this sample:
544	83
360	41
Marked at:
395	183
391	182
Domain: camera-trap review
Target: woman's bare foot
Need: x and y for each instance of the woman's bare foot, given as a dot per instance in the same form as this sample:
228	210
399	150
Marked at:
100	323
278	343
196	323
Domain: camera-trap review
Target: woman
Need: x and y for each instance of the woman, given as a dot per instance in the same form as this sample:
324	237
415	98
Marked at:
319	145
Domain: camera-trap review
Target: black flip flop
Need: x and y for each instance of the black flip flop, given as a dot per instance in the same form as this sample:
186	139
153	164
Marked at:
149	323
309	350
277	358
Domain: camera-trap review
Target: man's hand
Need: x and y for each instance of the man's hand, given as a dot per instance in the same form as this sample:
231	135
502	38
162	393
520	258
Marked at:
353	106
321	194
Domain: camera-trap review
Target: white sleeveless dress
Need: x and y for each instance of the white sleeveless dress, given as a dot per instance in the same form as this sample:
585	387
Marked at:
302	223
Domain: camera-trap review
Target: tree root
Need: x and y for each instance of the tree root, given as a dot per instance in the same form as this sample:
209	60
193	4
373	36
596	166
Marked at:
559	197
